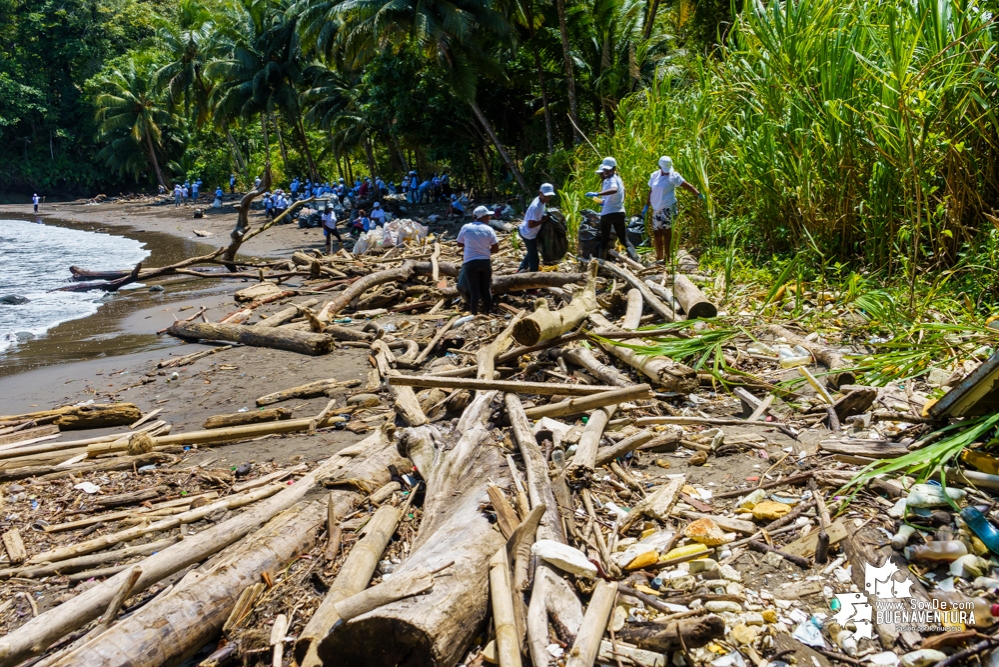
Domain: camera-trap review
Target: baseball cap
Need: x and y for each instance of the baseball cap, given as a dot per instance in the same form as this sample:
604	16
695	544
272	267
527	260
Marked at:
481	212
547	189
666	164
608	163
377	205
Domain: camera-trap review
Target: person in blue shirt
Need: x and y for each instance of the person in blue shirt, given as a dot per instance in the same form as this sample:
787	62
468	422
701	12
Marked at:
294	187
219	193
194	190
232	184
478	243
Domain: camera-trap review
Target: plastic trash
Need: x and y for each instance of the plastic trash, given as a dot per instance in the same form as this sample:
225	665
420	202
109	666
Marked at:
564	557
752	500
970	566
843	638
928	495
461	320
87	487
901	538
981	527
938	551
808	633
923	658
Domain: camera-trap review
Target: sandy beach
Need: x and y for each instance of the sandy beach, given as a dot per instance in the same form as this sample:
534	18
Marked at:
113	355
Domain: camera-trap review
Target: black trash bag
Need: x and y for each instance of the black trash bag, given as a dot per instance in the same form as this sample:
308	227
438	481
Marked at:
589	234
636	231
553	241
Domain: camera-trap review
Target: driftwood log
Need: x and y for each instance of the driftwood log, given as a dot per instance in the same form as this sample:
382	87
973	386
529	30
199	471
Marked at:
584	358
243	418
677	635
437	628
519	282
663	310
693	301
826	356
85	416
544	324
36	635
277	338
575	406
670	375
309	390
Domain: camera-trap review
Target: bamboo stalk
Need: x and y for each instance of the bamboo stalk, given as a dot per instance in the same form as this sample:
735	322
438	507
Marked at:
504	620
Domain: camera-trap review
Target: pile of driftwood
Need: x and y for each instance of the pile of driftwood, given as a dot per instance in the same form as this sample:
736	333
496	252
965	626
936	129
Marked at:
496	513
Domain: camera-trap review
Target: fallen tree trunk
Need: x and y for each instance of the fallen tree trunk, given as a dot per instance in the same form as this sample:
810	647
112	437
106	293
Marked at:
170	630
45	472
86	416
545	324
580	469
510	386
693	301
277	338
36	635
85	562
575	406
583	357
27	434
243	418
364	285
519	282
283	316
607	454
668	374
651	299
310	390
353	577
824	355
437	628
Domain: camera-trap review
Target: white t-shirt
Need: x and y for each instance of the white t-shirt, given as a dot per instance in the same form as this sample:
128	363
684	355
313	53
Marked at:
613	203
35	200
479	238
663	188
329	220
535	212
378	216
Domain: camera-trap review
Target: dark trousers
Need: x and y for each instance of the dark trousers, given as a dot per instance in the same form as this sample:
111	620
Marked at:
479	280
615	221
532	262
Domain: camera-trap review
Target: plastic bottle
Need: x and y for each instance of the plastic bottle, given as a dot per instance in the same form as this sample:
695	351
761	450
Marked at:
981	527
959	609
843	638
936	552
928	495
901	538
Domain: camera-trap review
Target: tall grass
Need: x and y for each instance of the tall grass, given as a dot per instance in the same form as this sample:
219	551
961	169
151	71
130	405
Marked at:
865	129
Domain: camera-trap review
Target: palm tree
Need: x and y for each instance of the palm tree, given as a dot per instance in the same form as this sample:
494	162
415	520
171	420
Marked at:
128	104
190	42
264	71
454	31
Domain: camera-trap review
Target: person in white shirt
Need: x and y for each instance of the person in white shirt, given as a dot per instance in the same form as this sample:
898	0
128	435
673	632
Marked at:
329	228
377	214
612	214
531	227
34	200
478	242
178	194
662	202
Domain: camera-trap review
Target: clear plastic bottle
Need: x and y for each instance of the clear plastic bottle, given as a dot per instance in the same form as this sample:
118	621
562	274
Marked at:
937	551
959	609
929	495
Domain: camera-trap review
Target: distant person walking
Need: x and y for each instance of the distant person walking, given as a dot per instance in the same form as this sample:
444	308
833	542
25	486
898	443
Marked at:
612	214
232	184
35	200
330	230
478	242
178	195
662	201
531	227
194	190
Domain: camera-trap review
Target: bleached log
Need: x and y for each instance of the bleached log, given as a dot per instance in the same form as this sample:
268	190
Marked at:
575	406
580	469
37	634
584	357
544	324
308	390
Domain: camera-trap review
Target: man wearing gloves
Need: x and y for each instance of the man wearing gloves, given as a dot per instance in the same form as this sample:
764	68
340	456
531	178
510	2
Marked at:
478	242
612	212
662	201
531	227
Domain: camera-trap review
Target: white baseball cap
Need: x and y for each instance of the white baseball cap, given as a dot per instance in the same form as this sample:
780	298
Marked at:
608	163
547	189
481	212
666	164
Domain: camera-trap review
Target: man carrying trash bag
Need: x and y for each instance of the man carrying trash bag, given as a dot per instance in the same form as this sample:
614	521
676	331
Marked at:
531	227
478	242
612	214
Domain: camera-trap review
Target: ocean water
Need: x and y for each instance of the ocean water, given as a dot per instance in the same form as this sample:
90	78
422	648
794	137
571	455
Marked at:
35	260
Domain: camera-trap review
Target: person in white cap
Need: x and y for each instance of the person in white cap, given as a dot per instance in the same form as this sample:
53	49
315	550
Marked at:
662	202
478	242
531	227
377	214
612	212
34	200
